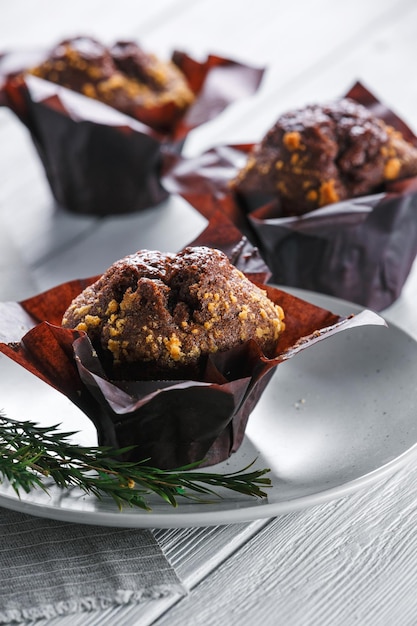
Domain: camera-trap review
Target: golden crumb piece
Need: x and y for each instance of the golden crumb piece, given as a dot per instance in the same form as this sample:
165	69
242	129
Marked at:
243	315
112	307
292	140
173	345
89	90
328	193
312	195
82	311
392	168
92	320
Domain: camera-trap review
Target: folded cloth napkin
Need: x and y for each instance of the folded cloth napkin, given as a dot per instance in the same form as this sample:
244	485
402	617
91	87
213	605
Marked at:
50	568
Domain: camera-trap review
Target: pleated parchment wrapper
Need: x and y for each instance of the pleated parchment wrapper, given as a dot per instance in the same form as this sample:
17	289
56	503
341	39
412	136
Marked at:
360	250
171	422
97	160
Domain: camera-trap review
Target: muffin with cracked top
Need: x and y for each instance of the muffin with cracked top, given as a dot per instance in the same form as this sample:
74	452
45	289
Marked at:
124	76
156	315
321	154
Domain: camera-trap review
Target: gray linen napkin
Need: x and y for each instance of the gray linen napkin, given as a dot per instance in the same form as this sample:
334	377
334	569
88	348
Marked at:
50	568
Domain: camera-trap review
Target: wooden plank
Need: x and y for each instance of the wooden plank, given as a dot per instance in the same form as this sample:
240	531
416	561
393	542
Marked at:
347	562
36	227
29	214
167	227
195	552
15	279
26	24
313	57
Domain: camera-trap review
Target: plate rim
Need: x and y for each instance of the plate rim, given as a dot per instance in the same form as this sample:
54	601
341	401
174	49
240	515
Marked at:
138	518
254	510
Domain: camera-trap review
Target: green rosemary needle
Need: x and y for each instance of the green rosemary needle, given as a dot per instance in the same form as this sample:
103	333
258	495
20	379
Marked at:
31	456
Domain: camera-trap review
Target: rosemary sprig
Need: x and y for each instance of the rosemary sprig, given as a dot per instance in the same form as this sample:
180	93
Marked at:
31	456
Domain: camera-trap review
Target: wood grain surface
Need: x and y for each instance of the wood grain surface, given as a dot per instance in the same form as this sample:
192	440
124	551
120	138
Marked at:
349	562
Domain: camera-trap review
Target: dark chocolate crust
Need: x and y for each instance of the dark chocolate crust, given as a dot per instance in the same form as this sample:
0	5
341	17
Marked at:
322	154
157	315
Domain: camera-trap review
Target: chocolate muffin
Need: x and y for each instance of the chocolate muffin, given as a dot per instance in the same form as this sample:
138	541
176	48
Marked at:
157	316
322	154
123	76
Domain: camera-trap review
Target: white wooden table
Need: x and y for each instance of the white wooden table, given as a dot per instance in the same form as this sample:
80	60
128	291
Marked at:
350	561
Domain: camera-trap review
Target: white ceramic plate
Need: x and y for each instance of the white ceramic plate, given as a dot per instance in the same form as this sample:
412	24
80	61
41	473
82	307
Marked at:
335	418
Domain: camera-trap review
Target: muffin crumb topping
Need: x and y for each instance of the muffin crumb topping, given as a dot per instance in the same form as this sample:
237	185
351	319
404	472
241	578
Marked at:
322	154
166	310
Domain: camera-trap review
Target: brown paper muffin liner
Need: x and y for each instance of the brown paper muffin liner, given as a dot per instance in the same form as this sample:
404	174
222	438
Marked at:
170	422
97	160
360	250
